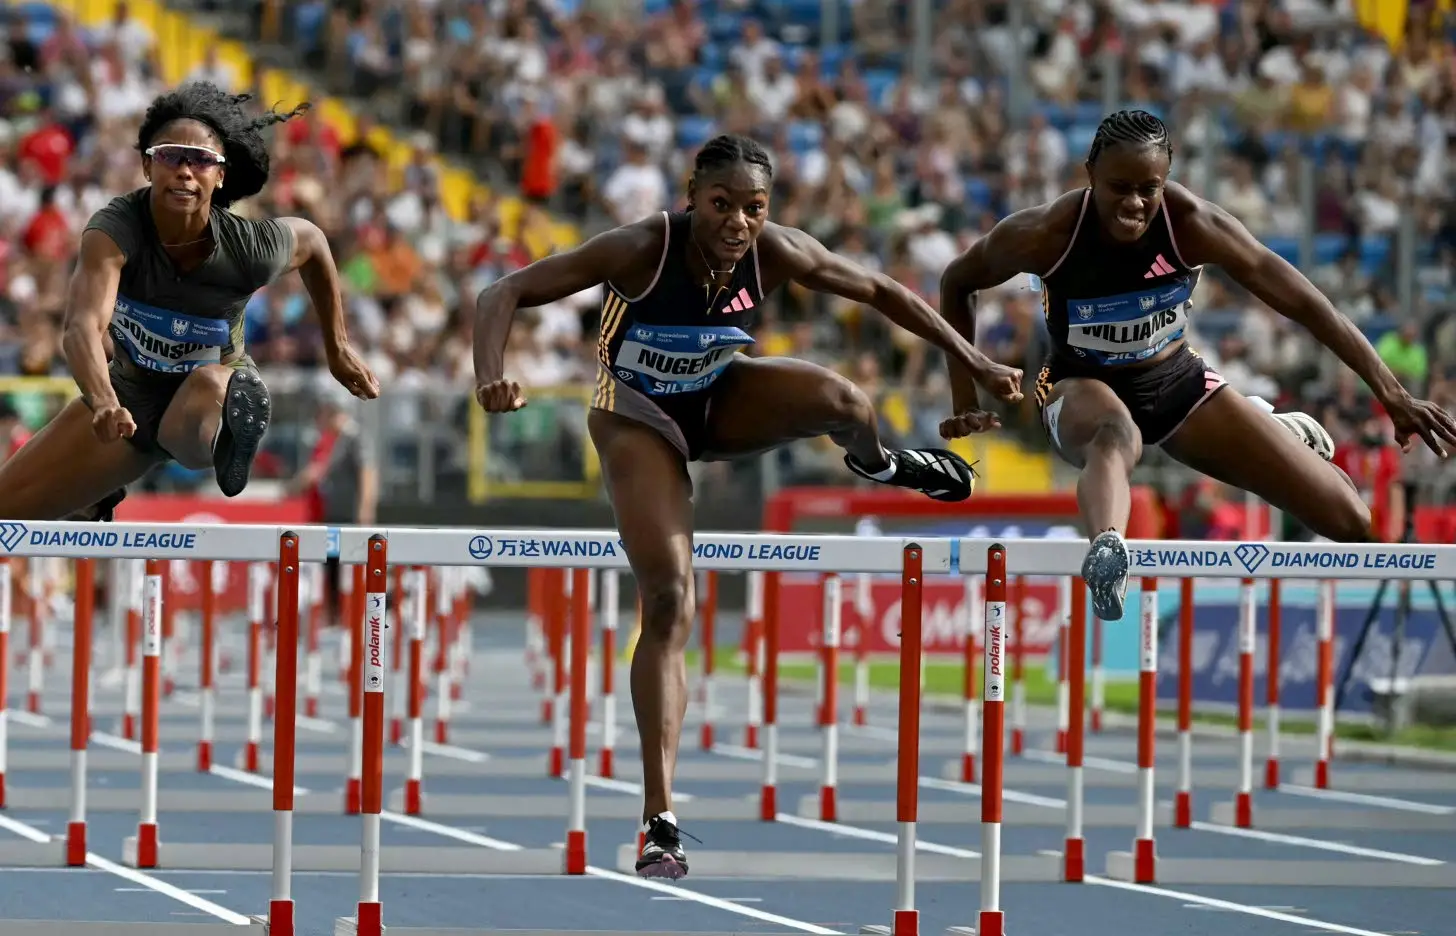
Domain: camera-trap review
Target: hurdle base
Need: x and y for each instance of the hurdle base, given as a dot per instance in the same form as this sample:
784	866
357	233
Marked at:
420	859
1386	820
1277	873
1096	815
851	866
104	799
105	928
26	854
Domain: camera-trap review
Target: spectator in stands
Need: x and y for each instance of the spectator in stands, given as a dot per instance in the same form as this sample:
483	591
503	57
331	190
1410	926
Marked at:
1405	354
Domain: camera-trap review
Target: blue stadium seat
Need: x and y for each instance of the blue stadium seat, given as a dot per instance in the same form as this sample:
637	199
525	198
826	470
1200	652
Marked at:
308	23
1286	247
653	7
978	193
725	27
1079	137
1374	252
805	135
712	55
36	13
878	82
1329	248
694	131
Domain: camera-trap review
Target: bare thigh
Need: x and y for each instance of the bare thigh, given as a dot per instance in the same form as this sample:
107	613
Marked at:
65	468
760	404
1231	440
1077	409
191	420
651	494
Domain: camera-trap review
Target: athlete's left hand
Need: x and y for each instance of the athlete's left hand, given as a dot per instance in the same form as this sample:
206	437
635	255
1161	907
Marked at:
1412	417
352	373
969	423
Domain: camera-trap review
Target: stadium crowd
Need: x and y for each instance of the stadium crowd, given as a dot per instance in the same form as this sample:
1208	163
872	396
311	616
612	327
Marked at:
591	110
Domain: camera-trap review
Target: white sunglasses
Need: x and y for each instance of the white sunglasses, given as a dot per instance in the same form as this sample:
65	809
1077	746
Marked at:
174	155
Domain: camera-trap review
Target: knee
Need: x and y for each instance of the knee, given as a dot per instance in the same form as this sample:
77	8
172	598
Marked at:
845	404
1349	520
1116	437
667	609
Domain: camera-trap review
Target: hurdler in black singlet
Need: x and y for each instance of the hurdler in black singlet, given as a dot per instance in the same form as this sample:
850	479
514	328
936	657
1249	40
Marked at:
661	352
167	323
1108	307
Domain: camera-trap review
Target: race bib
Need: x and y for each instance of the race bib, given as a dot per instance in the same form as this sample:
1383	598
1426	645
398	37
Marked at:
664	360
1130	327
166	341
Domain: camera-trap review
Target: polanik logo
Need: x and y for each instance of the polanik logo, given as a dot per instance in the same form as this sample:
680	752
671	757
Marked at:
481	547
1251	556
11	535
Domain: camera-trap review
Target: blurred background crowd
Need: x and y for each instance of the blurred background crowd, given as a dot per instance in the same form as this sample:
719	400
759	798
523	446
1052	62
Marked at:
901	131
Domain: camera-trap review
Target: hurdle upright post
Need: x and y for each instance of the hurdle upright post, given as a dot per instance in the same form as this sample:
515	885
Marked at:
353	633
285	657
768	798
80	711
968	681
151	712
206	690
864	612
906	919
1074	855
370	915
1064	623
610	610
829	703
1183	798
992	921
5	594
1324	683
708	641
1017	620
1248	635
753	640
34	590
1271	688
257	597
1099	678
132	705
580	660
418	611
1144	849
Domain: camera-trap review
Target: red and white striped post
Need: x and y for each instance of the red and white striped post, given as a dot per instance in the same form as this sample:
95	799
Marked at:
611	599
313	660
1064	623
1099	678
1248	636
864	612
80	711
207	691
1183	798
580	661
829	705
369	919
151	712
906	919
171	649
560	709
398	653
708	642
1271	688
768	794
1075	854
753	633
1144	851
347	638
417	613
444	632
132	587
968	682
257	597
5	586
1324	683
280	904
354	626
1018	666
35	590
992	920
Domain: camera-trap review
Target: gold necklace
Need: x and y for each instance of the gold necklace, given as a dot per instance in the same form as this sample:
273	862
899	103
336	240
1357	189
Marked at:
714	274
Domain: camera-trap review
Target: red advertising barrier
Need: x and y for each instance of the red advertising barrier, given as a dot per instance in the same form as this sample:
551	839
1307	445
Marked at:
942	622
185	582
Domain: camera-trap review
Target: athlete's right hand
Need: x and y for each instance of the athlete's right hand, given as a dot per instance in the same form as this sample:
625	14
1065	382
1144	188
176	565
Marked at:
1003	381
112	422
500	396
967	423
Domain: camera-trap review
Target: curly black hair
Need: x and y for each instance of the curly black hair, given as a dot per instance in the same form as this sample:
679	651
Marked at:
1131	126
238	129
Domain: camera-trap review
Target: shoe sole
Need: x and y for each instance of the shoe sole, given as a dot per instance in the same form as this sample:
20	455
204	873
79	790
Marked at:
1105	572
666	868
246	410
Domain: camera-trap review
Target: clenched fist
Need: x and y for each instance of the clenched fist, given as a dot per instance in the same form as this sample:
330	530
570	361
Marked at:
500	396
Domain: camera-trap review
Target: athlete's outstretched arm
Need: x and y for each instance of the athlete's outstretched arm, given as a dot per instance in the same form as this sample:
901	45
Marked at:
314	261
1210	234
549	279
89	305
811	264
1013	246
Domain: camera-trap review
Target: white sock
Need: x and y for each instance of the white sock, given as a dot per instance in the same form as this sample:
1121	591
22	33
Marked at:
889	472
668	816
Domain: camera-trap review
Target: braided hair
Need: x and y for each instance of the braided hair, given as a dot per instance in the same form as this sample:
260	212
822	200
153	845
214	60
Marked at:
1136	127
239	132
728	149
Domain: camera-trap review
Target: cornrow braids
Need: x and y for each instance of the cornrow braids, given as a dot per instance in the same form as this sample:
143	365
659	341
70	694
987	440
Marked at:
1130	126
239	132
730	148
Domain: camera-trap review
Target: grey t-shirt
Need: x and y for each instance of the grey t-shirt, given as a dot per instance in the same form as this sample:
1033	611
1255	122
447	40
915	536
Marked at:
171	322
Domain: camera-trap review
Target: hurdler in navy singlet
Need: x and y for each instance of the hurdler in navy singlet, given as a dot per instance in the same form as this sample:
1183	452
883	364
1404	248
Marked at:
661	352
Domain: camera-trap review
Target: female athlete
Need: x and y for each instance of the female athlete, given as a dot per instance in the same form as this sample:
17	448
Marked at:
159	290
672	388
1118	262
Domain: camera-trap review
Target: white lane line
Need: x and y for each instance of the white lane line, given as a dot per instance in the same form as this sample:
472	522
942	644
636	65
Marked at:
1368	799
742	753
729	899
148	890
870	835
1215	903
136	877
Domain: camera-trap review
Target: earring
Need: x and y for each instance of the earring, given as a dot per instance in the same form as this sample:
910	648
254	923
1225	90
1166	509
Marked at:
219	183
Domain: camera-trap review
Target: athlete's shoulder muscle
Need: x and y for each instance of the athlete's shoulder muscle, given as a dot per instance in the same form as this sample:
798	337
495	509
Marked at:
120	220
1206	232
1027	241
627	257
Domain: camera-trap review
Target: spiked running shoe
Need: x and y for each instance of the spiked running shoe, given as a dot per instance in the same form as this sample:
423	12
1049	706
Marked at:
1105	572
662	852
1308	430
937	473
103	511
245	411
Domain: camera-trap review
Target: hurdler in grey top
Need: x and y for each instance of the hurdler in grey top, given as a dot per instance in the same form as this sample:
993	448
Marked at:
171	322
